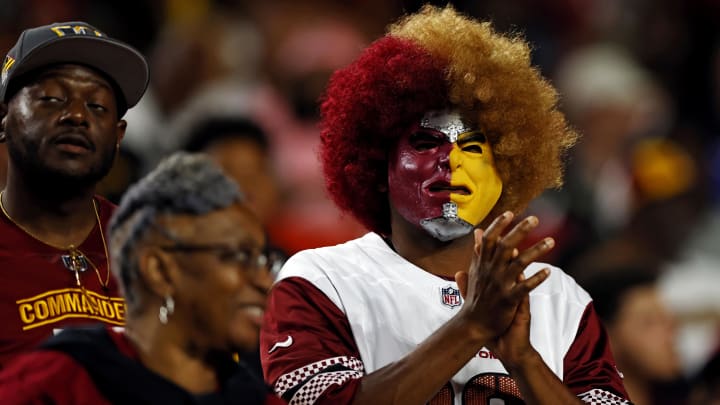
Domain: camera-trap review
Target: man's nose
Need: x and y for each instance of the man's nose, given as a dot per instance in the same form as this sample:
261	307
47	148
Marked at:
75	113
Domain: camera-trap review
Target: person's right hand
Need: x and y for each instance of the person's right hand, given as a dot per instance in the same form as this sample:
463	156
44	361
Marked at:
492	287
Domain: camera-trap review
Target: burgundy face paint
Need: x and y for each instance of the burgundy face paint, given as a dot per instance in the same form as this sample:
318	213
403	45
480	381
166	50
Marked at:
418	172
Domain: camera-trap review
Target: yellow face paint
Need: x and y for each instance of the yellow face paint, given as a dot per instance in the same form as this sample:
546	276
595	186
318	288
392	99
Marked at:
472	168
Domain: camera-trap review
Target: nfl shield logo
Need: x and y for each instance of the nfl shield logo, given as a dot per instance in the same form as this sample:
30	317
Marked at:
450	296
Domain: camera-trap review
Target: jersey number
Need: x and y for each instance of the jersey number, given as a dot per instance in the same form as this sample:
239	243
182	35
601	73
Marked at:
483	389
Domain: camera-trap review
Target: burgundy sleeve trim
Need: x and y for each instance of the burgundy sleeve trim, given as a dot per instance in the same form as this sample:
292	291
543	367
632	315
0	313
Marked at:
589	366
307	347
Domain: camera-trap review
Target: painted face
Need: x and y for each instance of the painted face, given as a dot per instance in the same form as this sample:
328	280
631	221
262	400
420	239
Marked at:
442	176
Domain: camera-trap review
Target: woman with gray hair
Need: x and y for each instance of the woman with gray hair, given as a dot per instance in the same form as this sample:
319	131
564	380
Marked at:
188	254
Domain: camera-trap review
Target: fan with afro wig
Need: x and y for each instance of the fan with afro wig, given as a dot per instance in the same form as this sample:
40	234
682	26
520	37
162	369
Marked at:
432	60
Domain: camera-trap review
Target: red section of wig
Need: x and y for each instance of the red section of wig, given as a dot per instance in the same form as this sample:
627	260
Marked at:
367	106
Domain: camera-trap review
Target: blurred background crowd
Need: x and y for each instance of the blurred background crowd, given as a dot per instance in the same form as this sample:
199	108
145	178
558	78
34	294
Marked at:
639	79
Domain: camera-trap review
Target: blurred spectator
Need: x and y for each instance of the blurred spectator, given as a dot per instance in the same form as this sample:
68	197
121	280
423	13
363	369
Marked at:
691	283
642	333
614	103
624	117
189	56
305	43
241	148
664	209
691	286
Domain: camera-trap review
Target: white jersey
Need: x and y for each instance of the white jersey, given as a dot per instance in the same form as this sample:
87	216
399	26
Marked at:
391	306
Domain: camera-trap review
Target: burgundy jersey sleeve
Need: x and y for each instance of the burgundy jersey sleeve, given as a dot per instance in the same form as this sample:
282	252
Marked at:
308	352
47	377
590	370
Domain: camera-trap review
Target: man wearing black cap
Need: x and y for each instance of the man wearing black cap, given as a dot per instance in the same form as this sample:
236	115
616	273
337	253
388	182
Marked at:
64	88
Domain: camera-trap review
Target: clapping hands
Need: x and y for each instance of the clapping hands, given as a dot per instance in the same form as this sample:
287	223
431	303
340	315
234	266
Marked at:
496	293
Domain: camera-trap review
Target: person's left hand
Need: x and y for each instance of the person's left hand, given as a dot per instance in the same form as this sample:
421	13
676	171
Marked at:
513	347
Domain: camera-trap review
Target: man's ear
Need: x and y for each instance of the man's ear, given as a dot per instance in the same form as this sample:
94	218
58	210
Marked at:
120	129
3	118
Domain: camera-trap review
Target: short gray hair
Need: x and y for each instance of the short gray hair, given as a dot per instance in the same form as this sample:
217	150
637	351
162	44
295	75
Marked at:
183	183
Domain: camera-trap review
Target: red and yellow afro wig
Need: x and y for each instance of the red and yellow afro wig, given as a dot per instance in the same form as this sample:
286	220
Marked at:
431	60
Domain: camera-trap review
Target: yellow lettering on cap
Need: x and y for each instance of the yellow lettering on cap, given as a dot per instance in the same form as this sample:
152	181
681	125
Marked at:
8	64
59	30
62	30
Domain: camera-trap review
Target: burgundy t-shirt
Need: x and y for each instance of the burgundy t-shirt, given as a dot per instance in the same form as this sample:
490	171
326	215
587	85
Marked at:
39	295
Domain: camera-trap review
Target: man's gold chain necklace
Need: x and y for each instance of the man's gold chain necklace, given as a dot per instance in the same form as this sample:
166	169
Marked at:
75	260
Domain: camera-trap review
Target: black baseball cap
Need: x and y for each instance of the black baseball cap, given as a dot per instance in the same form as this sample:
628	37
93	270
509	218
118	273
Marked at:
81	43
